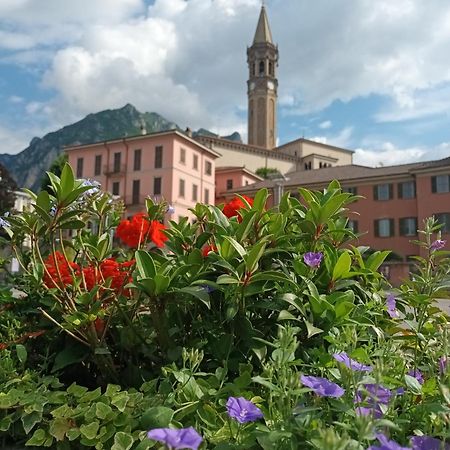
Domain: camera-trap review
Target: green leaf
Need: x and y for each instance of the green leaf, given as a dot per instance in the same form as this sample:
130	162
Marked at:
21	353
59	427
253	257
145	264
30	420
122	441
286	315
238	247
198	292
413	385
161	283
156	417
70	355
259	202
312	330
342	266
90	430
67	181
120	401
102	410
38	438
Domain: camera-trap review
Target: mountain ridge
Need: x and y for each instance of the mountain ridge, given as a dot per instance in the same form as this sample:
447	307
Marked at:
28	166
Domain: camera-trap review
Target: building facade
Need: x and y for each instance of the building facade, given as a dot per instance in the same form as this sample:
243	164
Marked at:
167	165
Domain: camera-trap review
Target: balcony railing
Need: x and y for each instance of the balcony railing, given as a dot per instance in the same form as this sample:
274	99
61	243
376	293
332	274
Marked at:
114	169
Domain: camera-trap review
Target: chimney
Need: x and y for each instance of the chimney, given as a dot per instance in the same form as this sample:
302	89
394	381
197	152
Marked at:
188	132
143	129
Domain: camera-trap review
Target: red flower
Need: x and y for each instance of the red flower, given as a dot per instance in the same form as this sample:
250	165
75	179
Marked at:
139	229
207	249
59	271
232	208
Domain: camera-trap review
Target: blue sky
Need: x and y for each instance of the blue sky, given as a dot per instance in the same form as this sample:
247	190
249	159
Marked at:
370	76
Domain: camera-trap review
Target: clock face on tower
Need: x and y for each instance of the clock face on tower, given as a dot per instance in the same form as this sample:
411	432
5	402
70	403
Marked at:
252	86
270	85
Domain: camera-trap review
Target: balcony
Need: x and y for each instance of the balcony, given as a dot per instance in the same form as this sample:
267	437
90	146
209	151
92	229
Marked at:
114	169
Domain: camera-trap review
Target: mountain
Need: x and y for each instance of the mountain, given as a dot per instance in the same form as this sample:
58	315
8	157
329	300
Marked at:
235	137
28	167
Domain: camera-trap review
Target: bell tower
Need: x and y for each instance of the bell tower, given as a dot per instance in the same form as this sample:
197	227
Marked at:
262	85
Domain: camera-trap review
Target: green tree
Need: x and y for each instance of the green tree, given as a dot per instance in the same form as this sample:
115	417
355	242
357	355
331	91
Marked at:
268	173
7	188
56	168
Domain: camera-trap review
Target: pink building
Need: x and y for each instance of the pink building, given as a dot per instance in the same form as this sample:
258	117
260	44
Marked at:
166	165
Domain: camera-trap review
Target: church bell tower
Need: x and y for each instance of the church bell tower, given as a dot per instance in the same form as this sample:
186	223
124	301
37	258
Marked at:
262	59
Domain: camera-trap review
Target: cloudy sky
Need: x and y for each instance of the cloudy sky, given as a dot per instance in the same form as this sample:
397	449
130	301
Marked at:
373	76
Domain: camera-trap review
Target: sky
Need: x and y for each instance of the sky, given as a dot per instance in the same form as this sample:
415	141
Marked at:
371	76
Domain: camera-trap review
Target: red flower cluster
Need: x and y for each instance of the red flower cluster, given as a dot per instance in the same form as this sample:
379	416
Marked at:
61	272
232	208
207	249
138	229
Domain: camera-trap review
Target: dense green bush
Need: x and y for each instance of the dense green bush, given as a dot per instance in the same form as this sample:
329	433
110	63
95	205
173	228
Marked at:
113	340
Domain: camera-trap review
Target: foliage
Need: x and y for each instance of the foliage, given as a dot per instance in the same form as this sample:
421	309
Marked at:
7	188
192	321
56	168
268	172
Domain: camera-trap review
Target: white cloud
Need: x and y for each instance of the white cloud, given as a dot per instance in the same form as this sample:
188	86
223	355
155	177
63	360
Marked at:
388	154
13	140
15	99
341	139
325	124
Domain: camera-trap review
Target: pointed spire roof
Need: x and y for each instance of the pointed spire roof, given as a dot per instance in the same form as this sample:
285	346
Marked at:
263	34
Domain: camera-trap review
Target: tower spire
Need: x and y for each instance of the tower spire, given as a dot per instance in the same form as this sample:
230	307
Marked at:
263	34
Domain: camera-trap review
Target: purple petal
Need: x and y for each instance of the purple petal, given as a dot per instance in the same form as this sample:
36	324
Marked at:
386	444
428	443
373	394
438	244
322	387
391	306
417	374
243	410
443	364
184	438
351	363
313	259
374	411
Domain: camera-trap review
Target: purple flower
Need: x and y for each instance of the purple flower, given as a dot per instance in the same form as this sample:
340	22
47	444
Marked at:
443	364
391	306
438	244
95	187
386	444
313	259
351	363
427	443
417	374
176	439
170	209
373	394
322	387
4	223
373	411
243	410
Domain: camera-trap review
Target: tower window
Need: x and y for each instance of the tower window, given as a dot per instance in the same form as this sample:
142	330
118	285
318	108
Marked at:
270	68
261	68
253	69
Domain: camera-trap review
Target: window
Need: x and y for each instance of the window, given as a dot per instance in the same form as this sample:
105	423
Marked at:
117	160
208	168
158	157
229	184
384	227
408	226
308	165
181	188
444	220
116	188
206	199
79	167
383	192
353	225
407	189
195	162
98	165
137	159
440	184
194	192
182	155
351	190
136	191
157	184
261	68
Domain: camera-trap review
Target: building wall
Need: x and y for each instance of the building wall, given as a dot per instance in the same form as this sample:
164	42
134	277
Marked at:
172	170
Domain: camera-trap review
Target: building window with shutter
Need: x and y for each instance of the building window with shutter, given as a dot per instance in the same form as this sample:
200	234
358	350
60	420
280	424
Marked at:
157	186
195	162
440	184
98	165
137	159
408	226
383	192
181	188
208	168
79	167
116	188
407	189
444	220
206	199
229	184
351	190
158	157
384	227
194	192
182	155
136	192
353	225
117	161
